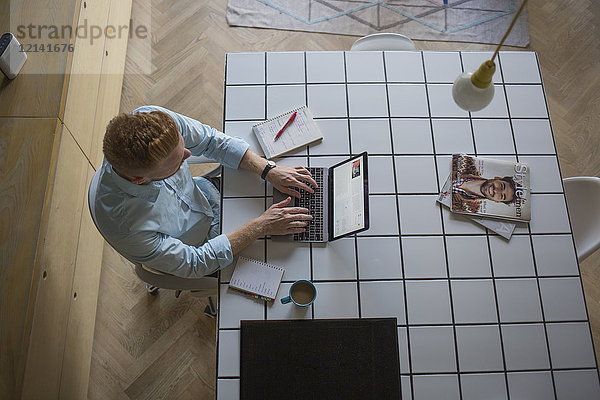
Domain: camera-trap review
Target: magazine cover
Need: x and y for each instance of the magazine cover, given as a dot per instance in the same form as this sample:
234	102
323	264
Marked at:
502	228
488	187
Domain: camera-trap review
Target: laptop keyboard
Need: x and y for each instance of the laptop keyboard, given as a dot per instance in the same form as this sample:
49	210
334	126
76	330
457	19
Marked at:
314	203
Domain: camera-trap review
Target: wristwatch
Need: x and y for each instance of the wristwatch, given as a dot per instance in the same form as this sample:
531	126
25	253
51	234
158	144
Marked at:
270	165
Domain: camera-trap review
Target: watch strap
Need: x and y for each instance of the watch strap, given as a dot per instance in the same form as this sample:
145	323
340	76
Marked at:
268	167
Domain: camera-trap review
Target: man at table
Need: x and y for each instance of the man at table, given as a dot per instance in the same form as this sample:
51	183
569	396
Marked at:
151	210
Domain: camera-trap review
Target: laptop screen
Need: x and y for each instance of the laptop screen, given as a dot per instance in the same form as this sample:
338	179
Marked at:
349	197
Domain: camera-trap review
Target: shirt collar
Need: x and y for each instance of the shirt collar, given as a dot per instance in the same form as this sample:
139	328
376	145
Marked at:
148	191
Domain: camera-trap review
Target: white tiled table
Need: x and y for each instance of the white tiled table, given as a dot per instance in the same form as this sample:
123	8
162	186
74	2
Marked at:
478	317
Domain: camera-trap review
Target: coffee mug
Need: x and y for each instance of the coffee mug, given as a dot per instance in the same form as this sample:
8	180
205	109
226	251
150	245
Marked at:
302	293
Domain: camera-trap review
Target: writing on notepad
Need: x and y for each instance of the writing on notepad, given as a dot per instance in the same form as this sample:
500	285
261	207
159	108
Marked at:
301	132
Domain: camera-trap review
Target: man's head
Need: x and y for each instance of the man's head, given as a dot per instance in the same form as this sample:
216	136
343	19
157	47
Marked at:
501	190
144	147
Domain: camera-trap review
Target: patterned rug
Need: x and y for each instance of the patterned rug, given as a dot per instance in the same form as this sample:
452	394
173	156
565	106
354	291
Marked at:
480	21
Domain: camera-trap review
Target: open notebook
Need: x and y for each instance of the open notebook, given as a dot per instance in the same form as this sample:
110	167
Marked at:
299	133
256	279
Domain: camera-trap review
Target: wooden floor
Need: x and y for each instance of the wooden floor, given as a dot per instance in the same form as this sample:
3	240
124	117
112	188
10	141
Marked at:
162	347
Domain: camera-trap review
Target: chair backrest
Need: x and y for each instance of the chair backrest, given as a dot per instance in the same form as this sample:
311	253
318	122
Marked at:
147	274
92	197
583	200
383	41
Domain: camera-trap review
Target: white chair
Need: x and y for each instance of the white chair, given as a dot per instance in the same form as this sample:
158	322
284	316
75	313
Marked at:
383	41
205	286
583	199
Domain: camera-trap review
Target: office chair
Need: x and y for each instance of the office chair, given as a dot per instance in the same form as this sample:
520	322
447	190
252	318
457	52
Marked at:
383	41
583	199
205	286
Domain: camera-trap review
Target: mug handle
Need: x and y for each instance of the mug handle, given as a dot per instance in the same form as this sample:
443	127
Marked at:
286	300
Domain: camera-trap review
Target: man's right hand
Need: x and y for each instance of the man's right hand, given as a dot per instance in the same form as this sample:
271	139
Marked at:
277	220
282	220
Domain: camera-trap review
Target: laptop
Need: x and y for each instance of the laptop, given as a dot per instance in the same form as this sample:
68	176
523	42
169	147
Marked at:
339	206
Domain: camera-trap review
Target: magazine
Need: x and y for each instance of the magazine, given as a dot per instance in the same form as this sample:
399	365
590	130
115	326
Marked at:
502	228
490	188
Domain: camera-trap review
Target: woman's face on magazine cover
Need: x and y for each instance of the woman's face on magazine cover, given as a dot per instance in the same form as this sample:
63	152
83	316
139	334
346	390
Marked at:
497	190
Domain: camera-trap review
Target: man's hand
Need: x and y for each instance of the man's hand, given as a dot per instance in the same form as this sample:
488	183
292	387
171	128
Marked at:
282	220
285	179
277	220
282	178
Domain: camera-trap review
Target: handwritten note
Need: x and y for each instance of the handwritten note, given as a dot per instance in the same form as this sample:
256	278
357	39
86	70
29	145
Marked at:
301	132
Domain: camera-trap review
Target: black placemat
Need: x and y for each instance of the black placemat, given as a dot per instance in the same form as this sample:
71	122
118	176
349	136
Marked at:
320	359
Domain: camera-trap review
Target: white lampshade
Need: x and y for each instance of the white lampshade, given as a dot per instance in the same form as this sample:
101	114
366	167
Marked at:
468	96
473	91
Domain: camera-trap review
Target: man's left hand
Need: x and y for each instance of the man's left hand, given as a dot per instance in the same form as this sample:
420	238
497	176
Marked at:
285	179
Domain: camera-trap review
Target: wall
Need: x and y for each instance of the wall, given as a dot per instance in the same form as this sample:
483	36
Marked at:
51	126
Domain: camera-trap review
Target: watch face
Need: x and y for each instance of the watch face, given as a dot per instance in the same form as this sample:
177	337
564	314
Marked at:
271	163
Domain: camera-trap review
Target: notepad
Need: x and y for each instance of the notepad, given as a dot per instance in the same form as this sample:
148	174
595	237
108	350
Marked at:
301	132
256	278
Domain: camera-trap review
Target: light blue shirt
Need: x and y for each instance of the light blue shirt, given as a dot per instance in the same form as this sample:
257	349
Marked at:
170	225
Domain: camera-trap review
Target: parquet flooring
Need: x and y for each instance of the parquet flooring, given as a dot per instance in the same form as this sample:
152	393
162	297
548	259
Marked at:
162	347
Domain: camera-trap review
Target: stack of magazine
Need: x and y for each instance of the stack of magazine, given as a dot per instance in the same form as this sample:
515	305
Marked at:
493	193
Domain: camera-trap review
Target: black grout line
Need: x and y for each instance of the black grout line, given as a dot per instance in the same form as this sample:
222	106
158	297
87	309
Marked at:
312	276
465	324
400	117
531	243
218	317
422	279
344	154
324	83
447	118
537	282
529	277
459	235
474	372
447	278
488	235
348	119
399	222
400	194
510	120
357	280
265	87
310	245
491	260
306	102
265	206
537	278
492	271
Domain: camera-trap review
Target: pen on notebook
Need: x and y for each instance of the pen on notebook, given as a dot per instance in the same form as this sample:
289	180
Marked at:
289	121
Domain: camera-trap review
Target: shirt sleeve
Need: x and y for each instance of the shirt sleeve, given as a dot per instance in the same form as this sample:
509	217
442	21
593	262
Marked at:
170	255
201	139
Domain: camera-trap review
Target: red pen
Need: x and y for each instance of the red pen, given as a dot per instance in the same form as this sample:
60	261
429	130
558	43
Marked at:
289	121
